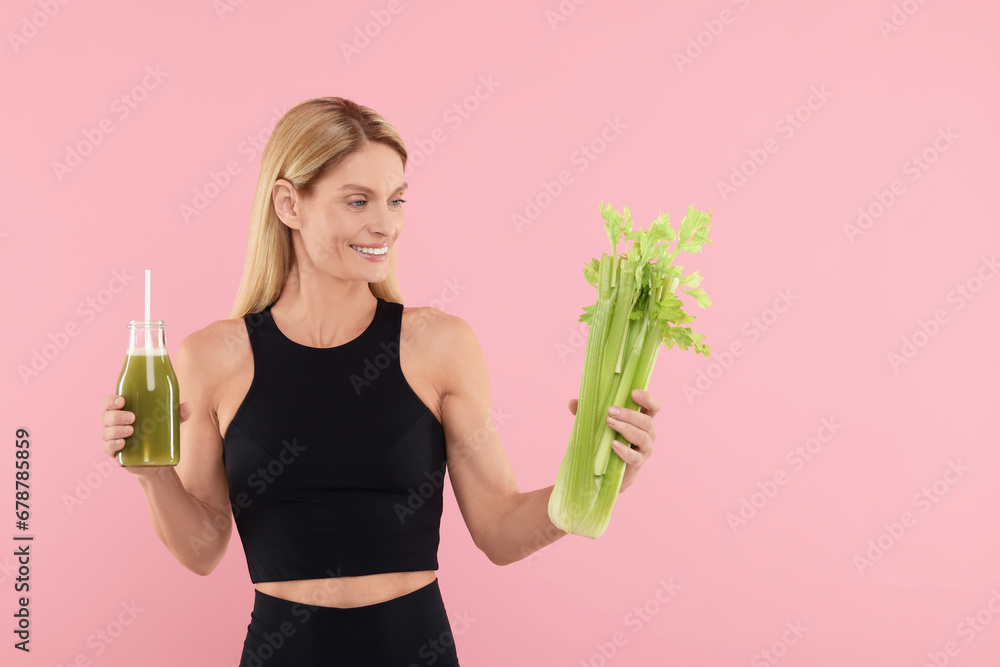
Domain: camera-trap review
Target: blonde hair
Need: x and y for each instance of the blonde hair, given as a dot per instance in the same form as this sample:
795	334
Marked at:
310	138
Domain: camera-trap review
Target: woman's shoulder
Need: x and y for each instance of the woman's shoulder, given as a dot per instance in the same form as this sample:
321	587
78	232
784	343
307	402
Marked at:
429	321
437	333
216	348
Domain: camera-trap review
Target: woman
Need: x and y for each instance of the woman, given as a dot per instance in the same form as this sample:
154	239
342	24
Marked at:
320	417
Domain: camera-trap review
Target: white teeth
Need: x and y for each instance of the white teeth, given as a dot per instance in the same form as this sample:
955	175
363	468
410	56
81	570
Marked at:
372	251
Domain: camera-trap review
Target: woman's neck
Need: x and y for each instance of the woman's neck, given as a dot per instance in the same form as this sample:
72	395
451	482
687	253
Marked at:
322	311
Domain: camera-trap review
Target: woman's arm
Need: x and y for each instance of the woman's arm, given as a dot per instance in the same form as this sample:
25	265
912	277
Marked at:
188	504
506	524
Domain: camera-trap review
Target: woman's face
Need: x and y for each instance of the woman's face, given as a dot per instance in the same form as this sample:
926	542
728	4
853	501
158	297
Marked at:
355	205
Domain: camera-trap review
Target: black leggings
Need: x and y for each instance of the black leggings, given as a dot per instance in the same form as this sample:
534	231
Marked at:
409	631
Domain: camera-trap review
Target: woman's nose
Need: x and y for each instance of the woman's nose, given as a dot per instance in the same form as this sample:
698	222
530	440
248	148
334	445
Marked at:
385	220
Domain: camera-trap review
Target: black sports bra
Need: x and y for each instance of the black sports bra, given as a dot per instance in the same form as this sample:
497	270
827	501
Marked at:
335	466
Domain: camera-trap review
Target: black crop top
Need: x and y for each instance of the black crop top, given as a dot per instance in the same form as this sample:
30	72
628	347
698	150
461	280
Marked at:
335	466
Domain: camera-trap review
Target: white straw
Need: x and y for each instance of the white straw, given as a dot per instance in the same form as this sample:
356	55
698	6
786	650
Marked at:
150	375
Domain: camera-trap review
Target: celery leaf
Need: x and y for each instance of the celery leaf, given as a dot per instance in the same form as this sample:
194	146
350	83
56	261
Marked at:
590	271
700	295
692	279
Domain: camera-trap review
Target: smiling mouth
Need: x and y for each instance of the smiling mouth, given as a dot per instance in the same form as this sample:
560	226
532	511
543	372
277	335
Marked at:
372	250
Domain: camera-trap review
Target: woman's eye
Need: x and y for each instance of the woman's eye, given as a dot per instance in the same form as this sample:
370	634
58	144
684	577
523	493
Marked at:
397	202
360	201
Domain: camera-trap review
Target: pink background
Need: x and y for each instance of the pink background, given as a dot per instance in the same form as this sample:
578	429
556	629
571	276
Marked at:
674	580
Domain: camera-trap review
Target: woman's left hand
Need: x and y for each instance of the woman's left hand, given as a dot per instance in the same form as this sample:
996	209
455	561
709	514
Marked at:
637	427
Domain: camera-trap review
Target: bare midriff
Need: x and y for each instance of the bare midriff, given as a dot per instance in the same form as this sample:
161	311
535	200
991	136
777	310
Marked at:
348	592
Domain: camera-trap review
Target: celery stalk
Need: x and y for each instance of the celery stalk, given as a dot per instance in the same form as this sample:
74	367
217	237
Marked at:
575	488
599	516
624	389
636	312
626	294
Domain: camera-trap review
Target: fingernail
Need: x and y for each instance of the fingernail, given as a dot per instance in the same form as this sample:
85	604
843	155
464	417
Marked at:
613	410
129	419
119	402
612	421
128	430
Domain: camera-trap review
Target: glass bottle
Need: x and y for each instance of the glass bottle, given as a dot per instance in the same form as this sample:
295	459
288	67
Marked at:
149	386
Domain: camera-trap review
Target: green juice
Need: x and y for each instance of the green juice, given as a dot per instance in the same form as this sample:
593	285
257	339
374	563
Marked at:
149	386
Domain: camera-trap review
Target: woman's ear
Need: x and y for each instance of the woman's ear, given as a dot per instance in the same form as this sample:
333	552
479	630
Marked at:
287	203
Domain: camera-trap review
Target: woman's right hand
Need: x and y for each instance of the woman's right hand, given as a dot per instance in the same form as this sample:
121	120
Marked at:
117	425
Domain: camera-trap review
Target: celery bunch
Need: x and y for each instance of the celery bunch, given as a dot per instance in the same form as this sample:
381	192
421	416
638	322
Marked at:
636	311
